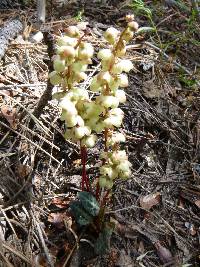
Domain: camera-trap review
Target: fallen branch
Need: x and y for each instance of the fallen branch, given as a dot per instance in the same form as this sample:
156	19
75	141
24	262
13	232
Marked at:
9	31
47	95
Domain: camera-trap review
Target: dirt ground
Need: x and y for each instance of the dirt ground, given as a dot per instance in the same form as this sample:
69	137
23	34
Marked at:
156	211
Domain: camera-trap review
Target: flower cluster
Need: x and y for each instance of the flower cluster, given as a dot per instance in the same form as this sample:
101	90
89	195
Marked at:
116	165
85	117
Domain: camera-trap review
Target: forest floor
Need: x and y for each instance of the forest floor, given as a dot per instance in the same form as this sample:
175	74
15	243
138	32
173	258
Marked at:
156	211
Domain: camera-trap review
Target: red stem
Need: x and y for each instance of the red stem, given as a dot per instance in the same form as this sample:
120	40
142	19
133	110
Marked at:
85	181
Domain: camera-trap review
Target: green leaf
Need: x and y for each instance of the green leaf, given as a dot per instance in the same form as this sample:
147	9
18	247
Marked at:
143	30
81	216
89	202
102	244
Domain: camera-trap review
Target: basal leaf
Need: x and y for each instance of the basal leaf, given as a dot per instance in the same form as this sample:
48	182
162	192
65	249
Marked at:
80	214
89	202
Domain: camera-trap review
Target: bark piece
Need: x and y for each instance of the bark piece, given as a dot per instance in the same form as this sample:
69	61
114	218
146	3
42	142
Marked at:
9	31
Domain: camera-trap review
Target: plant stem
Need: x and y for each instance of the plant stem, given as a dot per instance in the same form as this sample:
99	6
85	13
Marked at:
85	181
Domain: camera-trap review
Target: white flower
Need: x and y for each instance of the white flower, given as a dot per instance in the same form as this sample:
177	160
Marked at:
111	35
118	156
104	77
66	40
68	106
124	166
105	54
90	140
121	96
126	64
108	101
66	51
71	121
79	132
79	66
72	31
116	138
123	80
85	51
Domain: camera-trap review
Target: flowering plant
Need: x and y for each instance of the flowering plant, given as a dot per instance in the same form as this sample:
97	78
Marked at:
87	117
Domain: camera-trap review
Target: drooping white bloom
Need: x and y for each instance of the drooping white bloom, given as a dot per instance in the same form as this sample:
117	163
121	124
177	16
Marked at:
111	35
68	106
79	66
121	96
85	51
108	101
123	80
66	51
126	64
105	54
66	40
79	132
90	140
71	121
72	31
116	138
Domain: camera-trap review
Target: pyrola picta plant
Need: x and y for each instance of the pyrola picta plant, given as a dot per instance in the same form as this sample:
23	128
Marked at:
86	117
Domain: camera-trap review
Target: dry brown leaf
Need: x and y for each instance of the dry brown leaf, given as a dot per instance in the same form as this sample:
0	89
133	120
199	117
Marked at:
163	253
197	202
57	219
147	202
9	113
23	170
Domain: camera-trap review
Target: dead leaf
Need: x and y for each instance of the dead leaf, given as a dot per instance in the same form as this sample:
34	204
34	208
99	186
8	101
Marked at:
61	202
197	202
147	202
57	219
163	253
23	170
9	113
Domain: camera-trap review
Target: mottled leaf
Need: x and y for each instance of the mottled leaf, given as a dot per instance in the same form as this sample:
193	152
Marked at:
89	203
80	214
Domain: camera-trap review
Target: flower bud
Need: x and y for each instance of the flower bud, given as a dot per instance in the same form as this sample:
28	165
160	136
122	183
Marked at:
111	35
72	31
55	78
133	25
129	17
66	52
59	64
117	68
128	35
